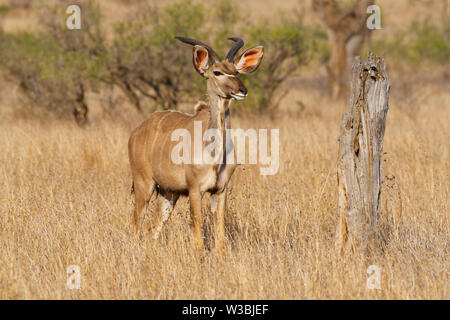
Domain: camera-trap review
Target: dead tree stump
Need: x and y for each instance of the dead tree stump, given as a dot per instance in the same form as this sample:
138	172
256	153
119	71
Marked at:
360	151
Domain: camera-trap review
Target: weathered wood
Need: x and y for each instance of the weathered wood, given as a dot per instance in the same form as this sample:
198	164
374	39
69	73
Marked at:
360	152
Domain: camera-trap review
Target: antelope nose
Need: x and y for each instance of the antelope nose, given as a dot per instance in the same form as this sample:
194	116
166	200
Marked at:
243	90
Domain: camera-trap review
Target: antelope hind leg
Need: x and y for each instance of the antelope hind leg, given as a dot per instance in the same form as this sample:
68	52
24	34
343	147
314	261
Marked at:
143	189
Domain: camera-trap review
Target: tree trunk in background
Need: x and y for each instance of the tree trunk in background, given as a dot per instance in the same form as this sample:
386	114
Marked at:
80	110
346	30
360	152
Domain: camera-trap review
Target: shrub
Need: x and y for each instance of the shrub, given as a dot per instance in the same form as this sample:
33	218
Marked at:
286	49
45	74
143	58
54	68
147	61
429	43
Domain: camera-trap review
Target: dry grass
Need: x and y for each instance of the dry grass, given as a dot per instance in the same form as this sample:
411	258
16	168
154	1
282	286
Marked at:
65	200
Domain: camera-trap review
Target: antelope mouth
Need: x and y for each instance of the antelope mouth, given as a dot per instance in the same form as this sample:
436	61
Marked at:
238	96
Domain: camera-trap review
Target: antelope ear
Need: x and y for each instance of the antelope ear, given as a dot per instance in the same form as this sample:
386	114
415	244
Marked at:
249	60
200	59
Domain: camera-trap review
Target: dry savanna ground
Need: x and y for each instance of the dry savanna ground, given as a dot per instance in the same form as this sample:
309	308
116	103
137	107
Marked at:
65	200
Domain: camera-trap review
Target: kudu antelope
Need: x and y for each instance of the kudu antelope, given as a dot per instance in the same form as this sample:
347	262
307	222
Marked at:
150	145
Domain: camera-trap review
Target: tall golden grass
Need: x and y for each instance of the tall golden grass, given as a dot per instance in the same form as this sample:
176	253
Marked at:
65	200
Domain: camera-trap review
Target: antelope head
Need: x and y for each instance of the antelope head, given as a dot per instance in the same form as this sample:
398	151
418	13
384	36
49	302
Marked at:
222	75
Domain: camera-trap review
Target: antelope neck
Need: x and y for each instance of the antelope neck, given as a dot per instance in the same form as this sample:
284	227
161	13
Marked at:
220	120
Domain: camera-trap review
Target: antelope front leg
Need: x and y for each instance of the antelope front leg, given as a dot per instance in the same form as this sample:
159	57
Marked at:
195	200
218	205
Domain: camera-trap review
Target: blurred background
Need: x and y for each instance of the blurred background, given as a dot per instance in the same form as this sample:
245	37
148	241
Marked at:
125	63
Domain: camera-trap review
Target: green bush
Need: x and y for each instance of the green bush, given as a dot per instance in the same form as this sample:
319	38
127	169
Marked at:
148	43
145	61
43	71
154	70
286	48
54	68
429	43
4	9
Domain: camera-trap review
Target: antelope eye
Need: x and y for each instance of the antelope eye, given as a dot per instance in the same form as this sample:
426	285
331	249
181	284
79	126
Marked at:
218	73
